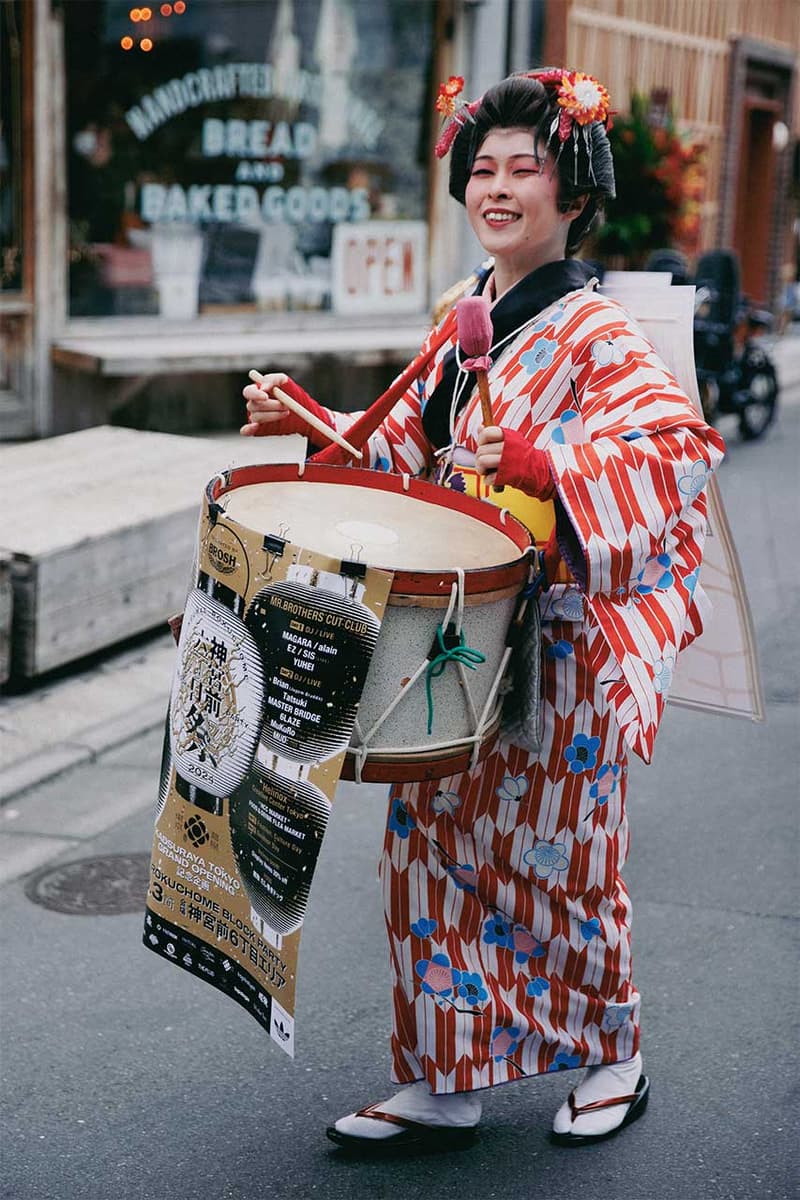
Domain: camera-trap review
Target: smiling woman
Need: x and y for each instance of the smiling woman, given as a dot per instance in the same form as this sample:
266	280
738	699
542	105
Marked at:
508	919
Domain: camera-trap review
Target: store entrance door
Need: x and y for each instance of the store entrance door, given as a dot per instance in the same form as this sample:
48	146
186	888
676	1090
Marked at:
16	233
755	196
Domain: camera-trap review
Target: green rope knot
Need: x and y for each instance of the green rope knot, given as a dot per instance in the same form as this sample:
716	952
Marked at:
455	651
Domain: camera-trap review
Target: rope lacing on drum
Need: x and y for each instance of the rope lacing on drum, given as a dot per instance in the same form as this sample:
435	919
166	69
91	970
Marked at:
481	722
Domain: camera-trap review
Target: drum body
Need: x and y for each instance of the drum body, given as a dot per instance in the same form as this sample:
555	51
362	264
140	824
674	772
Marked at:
457	563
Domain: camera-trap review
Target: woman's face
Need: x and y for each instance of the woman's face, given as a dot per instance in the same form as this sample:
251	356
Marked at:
511	202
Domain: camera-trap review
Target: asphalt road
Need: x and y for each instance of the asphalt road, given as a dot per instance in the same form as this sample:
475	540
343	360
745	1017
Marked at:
124	1079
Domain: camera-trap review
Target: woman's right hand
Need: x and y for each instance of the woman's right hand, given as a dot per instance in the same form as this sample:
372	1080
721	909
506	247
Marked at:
264	409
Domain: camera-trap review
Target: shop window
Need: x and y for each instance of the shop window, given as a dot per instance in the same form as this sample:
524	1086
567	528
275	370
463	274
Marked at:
11	172
246	155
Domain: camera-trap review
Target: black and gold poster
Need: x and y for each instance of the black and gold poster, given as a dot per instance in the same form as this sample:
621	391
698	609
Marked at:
274	649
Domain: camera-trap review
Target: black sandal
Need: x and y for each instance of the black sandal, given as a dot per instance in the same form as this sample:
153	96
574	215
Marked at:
416	1138
636	1100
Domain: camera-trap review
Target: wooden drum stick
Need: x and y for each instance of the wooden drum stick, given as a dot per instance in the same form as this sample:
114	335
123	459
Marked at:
330	435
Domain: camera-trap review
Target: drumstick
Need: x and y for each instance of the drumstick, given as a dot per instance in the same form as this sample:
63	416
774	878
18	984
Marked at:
369	421
311	419
475	339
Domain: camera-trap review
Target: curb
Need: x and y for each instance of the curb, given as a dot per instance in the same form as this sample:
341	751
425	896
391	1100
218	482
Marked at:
53	760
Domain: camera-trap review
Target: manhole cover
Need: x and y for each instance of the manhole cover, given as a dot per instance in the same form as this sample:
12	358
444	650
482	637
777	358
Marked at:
90	887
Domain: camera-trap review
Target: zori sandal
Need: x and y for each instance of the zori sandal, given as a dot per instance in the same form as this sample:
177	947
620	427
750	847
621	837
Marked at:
636	1102
414	1137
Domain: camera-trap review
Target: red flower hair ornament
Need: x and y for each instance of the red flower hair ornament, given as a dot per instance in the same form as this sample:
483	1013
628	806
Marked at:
459	112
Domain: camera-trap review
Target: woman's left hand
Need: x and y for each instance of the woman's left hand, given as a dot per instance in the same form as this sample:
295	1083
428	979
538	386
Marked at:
489	452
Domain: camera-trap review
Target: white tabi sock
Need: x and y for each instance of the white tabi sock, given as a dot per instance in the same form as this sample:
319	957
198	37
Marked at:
458	1110
600	1083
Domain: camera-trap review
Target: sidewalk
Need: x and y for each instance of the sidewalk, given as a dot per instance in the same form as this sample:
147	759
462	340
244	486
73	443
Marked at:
73	719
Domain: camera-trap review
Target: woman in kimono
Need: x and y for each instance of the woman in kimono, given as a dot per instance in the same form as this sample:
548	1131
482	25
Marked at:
508	919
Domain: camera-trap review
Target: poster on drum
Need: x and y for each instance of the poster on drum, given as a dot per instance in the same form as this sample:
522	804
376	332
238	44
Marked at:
274	649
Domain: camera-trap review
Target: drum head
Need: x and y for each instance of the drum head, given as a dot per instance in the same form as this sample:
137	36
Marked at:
389	530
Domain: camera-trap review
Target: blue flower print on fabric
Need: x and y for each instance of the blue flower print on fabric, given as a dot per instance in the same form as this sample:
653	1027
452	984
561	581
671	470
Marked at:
604	786
591	929
539	326
512	787
691	580
633	435
655	575
382	464
439	977
615	1015
605	783
423	399
424	927
557	315
498	932
504	1041
560	649
537	987
569	428
692	484
463	875
471	989
445	802
525	945
569	607
546	857
540	355
607	352
565	1062
400	820
662	674
581	754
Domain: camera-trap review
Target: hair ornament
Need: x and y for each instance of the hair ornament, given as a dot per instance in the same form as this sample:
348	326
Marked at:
446	96
581	100
459	114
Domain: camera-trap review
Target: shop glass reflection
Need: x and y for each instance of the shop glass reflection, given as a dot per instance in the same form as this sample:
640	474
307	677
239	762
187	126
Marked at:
208	172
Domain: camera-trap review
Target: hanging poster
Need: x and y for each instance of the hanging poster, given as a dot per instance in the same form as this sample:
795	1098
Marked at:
274	649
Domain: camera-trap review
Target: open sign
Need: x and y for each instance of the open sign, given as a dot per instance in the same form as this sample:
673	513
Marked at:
379	266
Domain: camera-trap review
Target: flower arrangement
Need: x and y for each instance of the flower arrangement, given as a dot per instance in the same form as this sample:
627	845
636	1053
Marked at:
660	185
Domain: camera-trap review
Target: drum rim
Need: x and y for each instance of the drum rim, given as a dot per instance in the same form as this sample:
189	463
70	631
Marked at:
417	581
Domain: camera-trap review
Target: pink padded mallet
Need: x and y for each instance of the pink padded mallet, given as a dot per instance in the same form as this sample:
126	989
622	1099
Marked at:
475	339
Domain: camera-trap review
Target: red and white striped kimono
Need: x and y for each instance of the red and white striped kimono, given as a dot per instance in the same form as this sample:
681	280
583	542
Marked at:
508	920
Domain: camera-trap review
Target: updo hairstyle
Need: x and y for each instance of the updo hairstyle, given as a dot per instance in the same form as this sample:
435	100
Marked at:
524	102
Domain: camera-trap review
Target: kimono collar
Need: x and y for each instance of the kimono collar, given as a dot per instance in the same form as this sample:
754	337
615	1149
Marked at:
520	304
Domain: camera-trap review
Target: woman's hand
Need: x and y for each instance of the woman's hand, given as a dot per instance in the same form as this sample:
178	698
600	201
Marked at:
489	452
264	409
507	458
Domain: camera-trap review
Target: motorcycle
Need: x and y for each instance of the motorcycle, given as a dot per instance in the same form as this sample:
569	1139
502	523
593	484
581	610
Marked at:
735	373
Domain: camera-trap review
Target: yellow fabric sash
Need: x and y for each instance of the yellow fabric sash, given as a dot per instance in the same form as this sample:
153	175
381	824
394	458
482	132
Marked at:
539	516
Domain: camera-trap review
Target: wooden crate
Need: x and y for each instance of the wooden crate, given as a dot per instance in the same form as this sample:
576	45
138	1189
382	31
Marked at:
102	531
